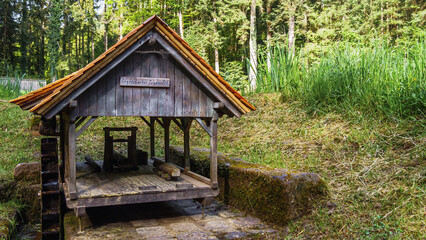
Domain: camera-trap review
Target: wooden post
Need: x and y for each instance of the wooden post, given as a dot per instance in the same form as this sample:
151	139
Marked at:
66	120
213	150
186	123
62	143
166	125
152	135
71	153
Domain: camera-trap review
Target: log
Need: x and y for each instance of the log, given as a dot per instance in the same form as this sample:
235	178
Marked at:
118	158
164	175
122	162
92	164
142	157
173	171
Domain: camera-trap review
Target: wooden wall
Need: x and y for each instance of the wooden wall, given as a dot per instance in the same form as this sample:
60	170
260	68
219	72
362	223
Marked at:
184	97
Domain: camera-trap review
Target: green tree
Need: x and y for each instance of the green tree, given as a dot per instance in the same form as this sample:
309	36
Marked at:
54	36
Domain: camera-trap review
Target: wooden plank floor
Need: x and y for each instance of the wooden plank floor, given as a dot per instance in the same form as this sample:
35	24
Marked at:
113	184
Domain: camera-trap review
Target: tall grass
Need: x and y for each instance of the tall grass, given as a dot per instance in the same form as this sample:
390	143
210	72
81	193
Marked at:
379	79
10	87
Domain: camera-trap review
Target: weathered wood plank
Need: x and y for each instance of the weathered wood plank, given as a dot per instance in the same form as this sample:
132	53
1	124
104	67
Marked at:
202	102
187	104
178	96
119	93
186	123
111	108
213	151
127	91
170	92
166	125
102	96
194	100
145	92
136	92
162	100
152	135
154	71
209	107
93	100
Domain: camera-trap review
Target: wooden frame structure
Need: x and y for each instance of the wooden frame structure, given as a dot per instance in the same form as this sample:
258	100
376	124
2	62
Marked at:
151	73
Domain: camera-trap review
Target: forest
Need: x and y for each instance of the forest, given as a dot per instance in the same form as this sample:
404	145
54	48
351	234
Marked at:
50	39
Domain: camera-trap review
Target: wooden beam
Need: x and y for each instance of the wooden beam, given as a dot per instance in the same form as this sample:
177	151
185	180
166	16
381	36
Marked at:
71	156
213	151
146	121
72	104
178	124
166	126
218	105
198	177
152	135
72	190
202	124
153	196
79	121
85	126
186	125
159	122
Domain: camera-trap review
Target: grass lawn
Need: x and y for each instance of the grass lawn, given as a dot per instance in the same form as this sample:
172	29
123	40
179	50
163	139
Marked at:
375	169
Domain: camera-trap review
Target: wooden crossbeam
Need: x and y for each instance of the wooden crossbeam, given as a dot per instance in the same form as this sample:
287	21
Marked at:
203	125
80	121
146	121
178	124
159	121
85	126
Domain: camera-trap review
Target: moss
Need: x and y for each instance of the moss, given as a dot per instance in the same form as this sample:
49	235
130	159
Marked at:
285	195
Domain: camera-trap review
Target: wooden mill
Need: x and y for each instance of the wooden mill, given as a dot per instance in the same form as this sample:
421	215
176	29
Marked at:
151	73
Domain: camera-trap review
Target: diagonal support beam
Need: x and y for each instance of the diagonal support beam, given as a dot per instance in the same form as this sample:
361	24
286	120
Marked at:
85	126
179	124
146	121
80	121
202	124
159	122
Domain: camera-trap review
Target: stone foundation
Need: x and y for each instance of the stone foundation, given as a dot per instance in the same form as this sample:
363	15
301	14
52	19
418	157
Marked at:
274	195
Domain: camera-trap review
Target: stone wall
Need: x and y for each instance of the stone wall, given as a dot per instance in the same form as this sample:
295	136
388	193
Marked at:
274	195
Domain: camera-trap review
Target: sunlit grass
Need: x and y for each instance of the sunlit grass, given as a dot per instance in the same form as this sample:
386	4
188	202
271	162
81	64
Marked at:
375	168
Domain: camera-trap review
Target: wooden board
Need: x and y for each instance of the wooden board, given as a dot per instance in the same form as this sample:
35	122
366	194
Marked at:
103	184
184	96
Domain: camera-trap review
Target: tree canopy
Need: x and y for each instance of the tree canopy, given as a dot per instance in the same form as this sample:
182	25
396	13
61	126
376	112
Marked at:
52	38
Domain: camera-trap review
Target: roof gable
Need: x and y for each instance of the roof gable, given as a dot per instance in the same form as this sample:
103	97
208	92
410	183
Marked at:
52	96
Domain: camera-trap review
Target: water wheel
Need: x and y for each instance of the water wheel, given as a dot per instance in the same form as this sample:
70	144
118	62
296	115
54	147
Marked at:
50	190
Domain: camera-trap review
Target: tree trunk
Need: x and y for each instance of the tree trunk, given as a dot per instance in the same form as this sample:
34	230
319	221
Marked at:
216	50
5	30
268	35
180	22
106	27
120	22
291	28
93	47
253	46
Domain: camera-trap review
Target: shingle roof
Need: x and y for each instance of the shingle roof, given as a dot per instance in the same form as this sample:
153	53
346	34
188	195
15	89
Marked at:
45	98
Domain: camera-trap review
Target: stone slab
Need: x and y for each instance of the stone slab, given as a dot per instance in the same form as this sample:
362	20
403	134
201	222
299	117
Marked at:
167	220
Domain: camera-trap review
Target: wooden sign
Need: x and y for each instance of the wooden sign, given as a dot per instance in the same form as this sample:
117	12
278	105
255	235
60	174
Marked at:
144	82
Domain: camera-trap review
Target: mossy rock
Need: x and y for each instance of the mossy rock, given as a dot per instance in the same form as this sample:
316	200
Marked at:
274	195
